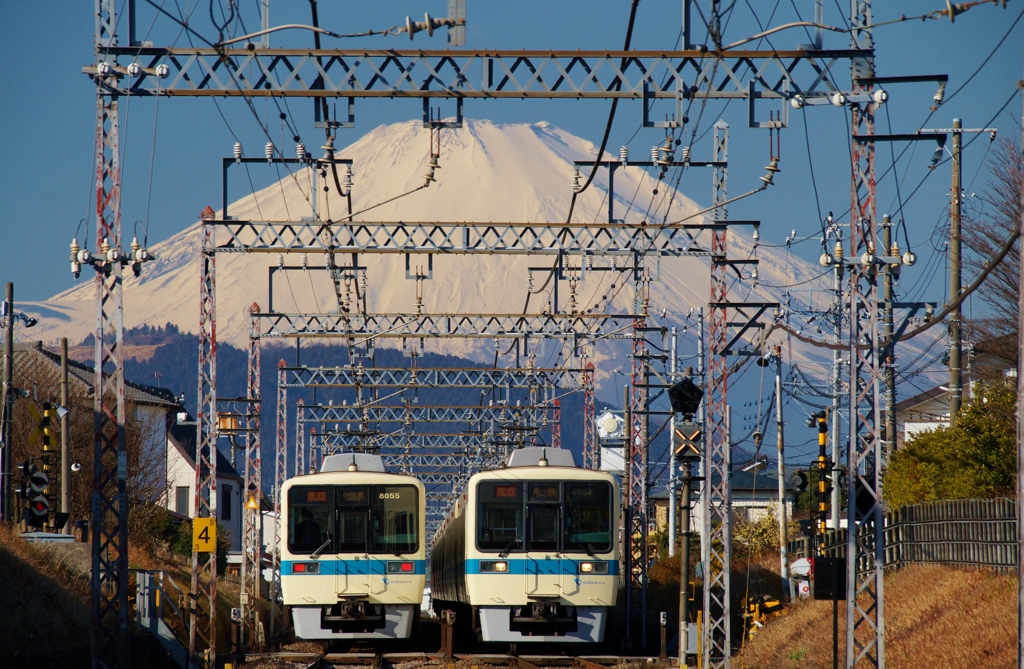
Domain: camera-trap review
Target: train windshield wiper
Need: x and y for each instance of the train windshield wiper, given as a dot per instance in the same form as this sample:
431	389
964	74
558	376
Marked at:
504	552
324	545
587	547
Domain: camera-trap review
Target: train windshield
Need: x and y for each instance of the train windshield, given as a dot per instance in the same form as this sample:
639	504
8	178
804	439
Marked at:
544	516
353	519
588	517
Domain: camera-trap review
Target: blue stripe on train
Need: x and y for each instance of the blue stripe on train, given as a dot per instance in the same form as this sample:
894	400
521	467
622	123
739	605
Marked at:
334	567
523	566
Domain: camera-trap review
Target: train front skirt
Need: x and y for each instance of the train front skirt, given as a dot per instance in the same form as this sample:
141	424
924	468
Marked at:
563	624
384	621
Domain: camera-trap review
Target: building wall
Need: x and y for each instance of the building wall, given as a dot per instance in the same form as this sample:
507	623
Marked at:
181	486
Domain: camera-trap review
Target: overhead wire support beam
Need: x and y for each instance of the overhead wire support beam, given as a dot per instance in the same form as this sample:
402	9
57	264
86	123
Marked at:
417	413
448	377
467	74
488	238
418	326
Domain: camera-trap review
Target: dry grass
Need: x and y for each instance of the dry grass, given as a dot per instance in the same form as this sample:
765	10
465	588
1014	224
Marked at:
936	618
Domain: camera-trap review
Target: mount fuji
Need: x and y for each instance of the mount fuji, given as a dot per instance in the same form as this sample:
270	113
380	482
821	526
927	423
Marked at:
488	172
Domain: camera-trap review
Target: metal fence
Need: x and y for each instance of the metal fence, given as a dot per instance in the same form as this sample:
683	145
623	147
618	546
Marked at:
968	532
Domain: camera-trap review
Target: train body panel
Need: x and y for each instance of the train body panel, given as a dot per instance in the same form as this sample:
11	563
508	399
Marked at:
532	551
353	554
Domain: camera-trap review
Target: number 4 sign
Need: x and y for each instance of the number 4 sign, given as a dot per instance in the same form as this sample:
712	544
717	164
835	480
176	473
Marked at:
204	535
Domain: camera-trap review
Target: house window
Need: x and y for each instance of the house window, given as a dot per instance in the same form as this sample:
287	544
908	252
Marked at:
181	500
226	503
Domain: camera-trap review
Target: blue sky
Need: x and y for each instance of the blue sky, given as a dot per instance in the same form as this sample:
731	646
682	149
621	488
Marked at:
49	116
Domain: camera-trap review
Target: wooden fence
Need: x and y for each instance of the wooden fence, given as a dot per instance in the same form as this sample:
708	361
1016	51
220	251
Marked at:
969	532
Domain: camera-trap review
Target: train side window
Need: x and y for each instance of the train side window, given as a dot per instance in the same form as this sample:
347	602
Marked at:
499	516
310	518
588	517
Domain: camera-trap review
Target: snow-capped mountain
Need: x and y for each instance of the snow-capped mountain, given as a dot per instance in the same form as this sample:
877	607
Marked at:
488	172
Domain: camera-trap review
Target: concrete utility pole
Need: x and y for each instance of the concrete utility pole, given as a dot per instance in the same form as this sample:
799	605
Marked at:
783	520
955	330
673	467
837	374
889	444
5	460
65	458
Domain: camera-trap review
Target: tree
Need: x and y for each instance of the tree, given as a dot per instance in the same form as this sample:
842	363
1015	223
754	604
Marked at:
975	459
989	220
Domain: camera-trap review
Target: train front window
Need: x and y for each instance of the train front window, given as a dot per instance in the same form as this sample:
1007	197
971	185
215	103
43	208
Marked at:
499	516
394	514
588	517
353	511
310	519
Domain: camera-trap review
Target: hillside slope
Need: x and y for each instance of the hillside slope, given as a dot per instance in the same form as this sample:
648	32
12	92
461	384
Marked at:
936	617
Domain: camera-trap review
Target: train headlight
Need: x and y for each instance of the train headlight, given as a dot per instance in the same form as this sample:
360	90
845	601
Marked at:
593	567
401	567
499	566
306	568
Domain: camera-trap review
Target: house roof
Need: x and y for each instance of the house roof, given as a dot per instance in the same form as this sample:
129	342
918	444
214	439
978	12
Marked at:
920	398
184	438
31	359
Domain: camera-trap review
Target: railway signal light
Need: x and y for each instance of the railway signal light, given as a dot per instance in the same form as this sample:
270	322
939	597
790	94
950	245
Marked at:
686	438
685	397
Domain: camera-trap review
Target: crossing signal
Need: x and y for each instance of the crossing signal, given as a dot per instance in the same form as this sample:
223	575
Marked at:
686	440
39	511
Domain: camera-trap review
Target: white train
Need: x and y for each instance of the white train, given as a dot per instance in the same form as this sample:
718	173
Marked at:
530	551
353	560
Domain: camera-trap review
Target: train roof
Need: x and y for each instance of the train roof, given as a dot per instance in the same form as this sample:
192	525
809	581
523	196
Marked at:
535	456
348	462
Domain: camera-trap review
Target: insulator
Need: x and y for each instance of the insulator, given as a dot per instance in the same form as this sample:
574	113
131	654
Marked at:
529	281
237	151
576	180
304	261
134	69
268	151
613	262
105	246
135	247
753	273
838	253
163	71
74	250
588	262
624	154
300	151
654	154
757	234
346	182
280	261
686	154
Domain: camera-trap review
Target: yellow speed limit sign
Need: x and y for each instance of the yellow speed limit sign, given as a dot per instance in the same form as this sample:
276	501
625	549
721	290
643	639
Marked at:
204	535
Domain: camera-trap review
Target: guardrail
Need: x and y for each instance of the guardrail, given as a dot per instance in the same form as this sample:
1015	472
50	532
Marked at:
965	532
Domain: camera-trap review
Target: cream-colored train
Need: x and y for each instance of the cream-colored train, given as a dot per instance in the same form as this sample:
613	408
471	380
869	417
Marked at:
530	551
353	561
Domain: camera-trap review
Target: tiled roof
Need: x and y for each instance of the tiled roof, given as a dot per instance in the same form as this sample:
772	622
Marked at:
32	359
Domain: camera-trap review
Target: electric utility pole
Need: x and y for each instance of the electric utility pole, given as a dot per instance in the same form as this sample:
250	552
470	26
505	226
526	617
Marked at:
65	459
8	408
955	330
673	481
889	444
783	520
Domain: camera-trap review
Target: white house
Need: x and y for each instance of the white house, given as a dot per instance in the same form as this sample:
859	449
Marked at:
181	479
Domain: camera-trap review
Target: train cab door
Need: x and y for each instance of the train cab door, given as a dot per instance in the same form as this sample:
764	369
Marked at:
354	567
543	521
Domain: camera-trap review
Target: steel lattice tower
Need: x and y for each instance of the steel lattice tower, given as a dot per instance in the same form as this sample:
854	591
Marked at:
280	474
109	517
300	440
716	494
636	463
590	454
204	565
252	546
865	549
